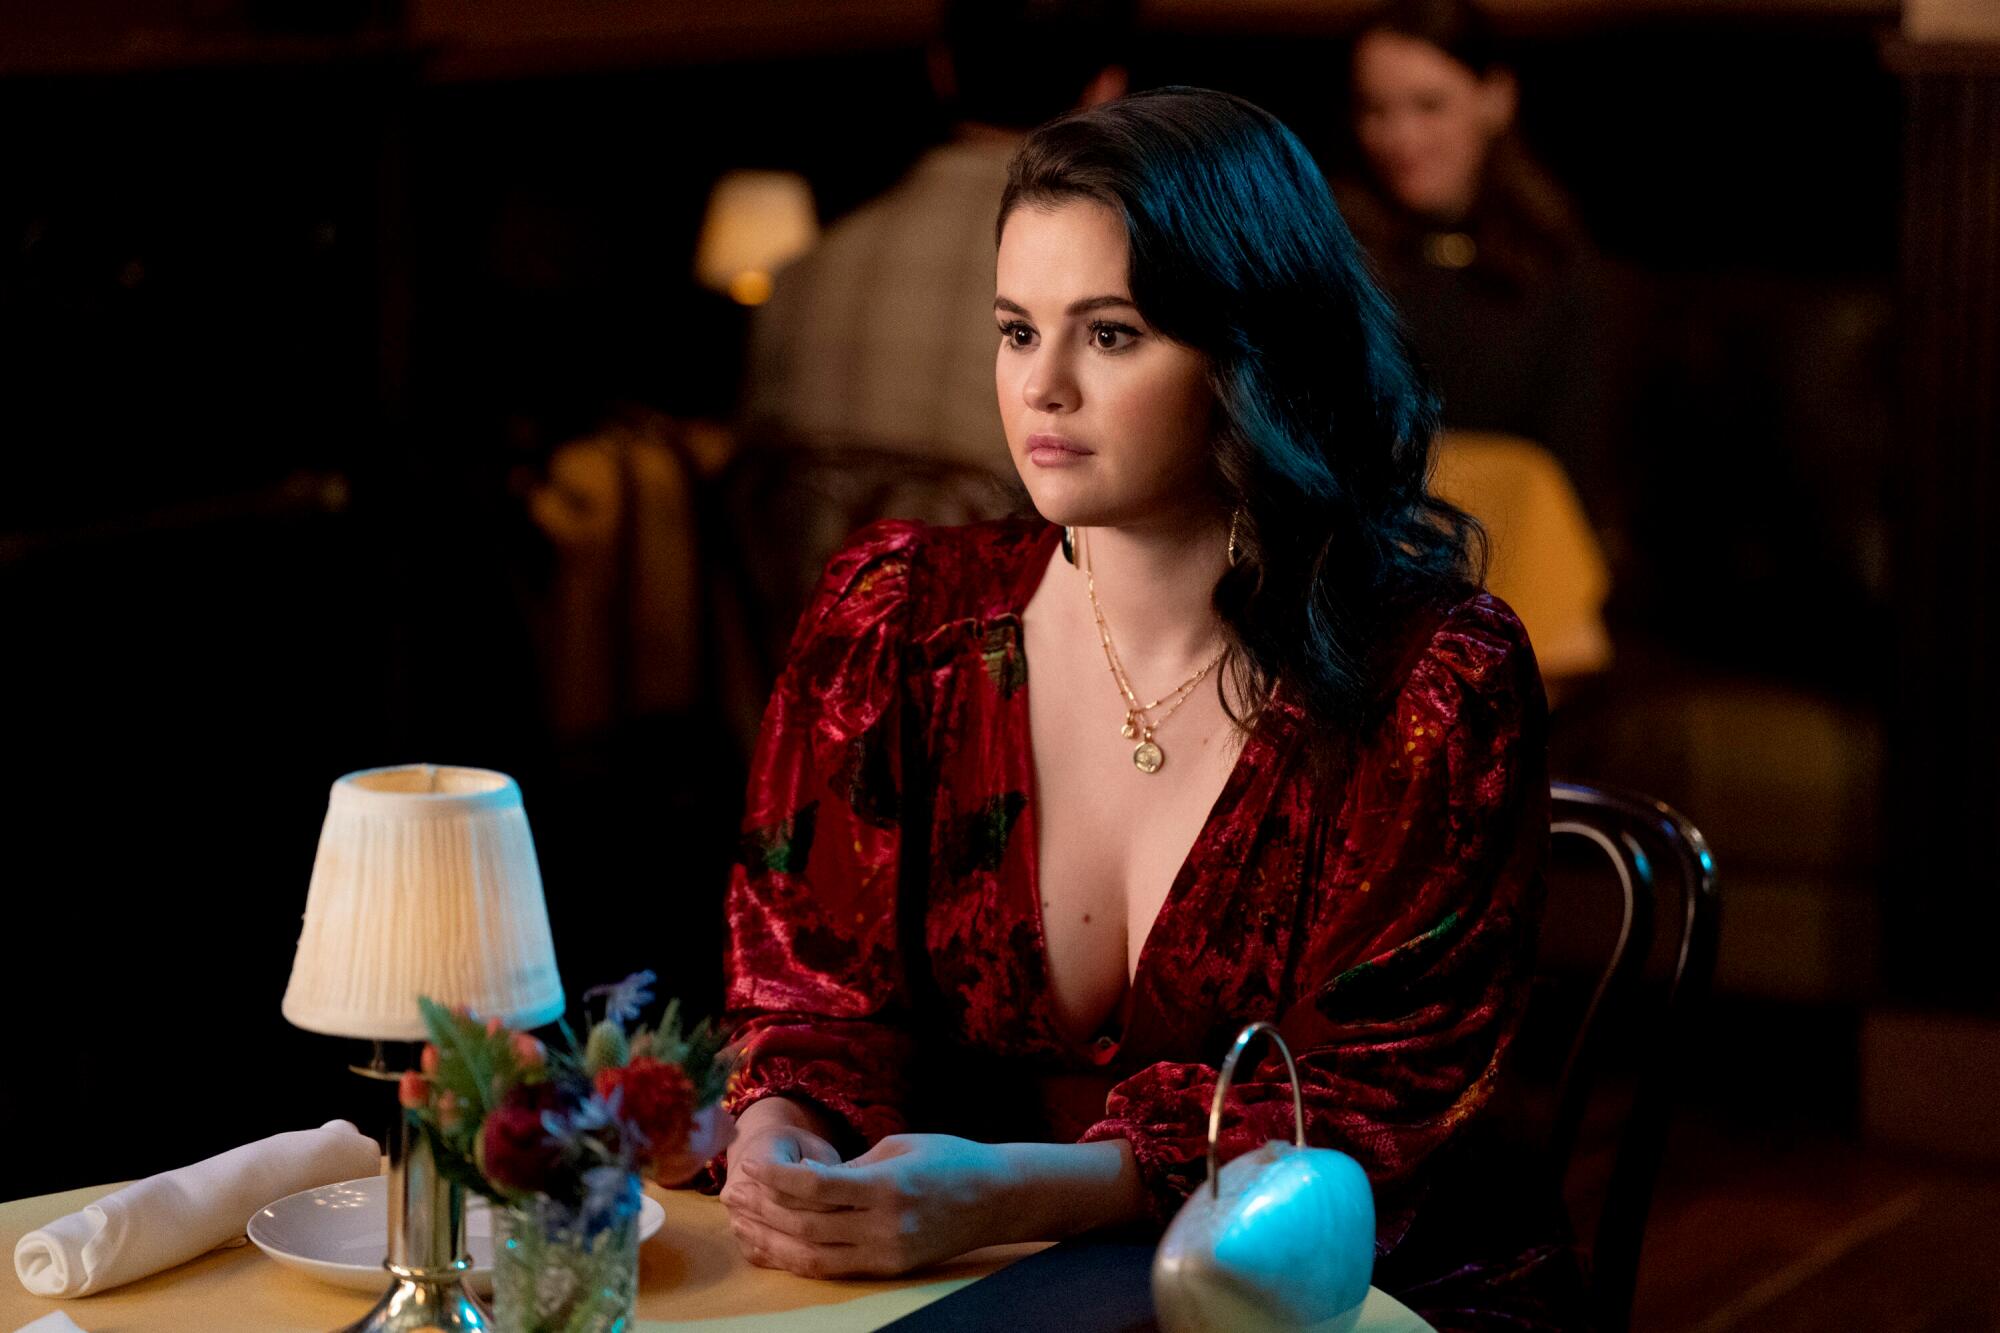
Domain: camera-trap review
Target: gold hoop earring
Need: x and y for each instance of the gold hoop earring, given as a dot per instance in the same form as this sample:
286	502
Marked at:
1235	546
1069	544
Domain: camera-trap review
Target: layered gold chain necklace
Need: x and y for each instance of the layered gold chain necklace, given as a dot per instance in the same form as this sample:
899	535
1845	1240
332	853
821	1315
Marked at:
1140	722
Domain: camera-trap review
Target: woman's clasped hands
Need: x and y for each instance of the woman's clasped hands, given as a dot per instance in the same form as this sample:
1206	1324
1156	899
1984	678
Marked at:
911	1200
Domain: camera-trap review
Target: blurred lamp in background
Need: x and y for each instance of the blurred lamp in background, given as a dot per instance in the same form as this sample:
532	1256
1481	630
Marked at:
757	221
425	884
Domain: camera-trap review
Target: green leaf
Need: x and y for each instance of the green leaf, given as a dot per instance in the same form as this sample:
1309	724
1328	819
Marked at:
477	1067
668	1044
456	1039
454	1164
708	1066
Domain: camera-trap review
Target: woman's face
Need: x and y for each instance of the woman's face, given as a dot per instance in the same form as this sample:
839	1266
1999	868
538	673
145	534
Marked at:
1425	121
1109	422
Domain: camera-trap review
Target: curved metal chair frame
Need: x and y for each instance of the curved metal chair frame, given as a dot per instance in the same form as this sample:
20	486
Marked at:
1653	980
780	510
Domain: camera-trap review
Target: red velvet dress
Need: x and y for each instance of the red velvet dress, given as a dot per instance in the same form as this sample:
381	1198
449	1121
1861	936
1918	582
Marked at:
886	960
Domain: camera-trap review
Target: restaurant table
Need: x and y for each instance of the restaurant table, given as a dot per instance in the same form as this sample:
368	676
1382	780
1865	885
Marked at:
691	1276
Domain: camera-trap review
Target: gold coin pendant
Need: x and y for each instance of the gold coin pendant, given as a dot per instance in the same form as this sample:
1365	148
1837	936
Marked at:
1147	757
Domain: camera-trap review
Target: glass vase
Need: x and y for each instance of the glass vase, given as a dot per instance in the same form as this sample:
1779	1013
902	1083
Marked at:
564	1269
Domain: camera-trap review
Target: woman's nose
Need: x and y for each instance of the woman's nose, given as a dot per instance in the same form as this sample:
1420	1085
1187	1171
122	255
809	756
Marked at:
1049	386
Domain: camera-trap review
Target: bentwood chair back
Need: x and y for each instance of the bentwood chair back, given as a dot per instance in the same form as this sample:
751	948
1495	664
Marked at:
780	511
1627	951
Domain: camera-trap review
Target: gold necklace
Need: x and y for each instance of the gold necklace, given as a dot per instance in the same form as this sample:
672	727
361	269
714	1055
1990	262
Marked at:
1147	756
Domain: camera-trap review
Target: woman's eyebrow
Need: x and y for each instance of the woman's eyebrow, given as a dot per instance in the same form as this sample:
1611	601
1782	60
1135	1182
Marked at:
1084	306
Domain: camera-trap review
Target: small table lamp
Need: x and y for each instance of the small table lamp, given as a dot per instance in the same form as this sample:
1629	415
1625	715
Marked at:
756	223
425	884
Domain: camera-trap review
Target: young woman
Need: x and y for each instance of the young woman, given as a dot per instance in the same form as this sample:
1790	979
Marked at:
1044	810
1501	289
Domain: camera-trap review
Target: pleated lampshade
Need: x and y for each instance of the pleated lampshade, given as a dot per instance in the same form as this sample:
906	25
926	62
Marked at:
757	222
425	884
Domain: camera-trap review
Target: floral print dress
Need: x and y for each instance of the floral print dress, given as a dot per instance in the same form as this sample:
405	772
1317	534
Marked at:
885	954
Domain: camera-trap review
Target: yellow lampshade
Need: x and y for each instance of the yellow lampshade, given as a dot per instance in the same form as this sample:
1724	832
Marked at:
425	884
757	222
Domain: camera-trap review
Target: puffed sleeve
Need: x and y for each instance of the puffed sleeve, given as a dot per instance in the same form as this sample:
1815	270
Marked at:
814	981
1415	970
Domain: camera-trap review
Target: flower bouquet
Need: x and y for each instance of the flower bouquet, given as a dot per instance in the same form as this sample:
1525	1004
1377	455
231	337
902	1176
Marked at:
557	1139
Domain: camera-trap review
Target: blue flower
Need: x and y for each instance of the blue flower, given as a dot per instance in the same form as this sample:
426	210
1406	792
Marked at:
591	1129
624	999
610	1194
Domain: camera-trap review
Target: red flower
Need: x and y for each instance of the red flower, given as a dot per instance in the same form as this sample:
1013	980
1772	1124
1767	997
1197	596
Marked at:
658	1100
515	1152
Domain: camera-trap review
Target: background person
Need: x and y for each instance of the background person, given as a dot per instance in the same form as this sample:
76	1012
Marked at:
1478	245
879	337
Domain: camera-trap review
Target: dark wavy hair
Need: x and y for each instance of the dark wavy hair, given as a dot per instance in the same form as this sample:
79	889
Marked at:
1325	425
1458	28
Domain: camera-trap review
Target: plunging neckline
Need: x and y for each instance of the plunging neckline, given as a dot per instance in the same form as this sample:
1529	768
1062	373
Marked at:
1103	1045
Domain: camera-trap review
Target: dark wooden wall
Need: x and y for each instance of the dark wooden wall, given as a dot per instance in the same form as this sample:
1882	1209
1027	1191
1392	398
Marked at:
1941	904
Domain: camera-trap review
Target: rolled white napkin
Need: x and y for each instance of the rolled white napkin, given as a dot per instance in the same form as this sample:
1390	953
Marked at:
171	1218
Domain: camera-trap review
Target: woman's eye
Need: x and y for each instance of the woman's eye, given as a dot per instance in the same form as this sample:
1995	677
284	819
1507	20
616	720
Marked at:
1016	334
1112	337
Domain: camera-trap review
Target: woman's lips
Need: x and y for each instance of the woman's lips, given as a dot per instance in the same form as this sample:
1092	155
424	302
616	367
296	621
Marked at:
1055	451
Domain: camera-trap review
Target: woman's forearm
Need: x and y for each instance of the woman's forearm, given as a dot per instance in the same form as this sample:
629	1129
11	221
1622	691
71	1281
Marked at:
1054	1191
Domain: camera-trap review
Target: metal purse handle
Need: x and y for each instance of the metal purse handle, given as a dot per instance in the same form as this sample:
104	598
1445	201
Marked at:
1222	1092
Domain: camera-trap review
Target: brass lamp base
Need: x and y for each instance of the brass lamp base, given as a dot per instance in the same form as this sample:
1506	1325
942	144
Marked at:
418	1304
426	1249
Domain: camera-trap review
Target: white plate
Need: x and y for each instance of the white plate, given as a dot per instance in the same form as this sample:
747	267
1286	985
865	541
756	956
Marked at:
340	1233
